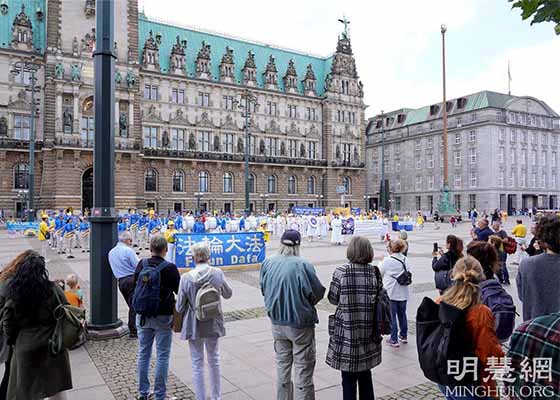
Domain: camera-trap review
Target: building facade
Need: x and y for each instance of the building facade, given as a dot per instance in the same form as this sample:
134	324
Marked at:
502	152
179	129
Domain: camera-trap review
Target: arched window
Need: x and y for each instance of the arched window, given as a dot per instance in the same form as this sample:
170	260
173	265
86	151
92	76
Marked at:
21	176
271	184
311	185
150	180
178	181
292	185
87	130
228	182
347	182
252	183
203	181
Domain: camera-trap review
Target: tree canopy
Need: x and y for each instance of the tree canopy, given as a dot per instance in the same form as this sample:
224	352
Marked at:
540	11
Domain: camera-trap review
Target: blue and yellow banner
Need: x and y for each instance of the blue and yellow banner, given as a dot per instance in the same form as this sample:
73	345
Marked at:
307	210
21	226
226	249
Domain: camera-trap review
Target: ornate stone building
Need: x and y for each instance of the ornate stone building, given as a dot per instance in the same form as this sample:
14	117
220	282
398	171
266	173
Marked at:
179	129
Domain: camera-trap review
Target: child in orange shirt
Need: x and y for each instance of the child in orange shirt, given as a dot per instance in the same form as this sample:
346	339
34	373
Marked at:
74	294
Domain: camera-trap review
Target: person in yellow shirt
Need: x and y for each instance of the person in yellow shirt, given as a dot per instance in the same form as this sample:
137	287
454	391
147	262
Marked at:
396	218
169	235
420	221
520	232
44	235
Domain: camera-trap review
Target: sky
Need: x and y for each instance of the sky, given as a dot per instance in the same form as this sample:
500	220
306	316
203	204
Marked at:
397	43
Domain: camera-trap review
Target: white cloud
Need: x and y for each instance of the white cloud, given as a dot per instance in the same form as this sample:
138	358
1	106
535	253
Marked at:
388	39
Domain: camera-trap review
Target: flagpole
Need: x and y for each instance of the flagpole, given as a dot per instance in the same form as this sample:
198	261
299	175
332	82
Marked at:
509	80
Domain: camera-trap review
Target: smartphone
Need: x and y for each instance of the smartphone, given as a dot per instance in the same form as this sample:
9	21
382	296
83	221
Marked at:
436	247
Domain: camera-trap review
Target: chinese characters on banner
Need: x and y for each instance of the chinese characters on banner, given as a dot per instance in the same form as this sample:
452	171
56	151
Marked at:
348	226
226	249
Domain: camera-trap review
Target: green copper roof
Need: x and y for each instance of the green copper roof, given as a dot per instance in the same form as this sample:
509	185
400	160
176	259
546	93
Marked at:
218	43
475	101
14	8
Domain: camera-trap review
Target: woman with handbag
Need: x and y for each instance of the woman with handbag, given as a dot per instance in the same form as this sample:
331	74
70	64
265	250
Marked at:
354	342
444	265
393	269
29	323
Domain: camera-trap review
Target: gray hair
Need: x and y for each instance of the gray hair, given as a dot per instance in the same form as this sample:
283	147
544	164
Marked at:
200	253
124	235
158	244
287	251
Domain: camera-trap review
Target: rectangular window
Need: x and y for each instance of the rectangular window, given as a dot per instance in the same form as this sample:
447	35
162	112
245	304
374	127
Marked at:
512	155
430	160
271	147
543	158
457	156
397	148
418	160
310	114
312	150
398	184
501	134
545	138
271	108
177	139
473	117
430	143
524	157
523	179
150	137
21	126
502	178
472	136
472	155
543	180
418	144
457	181
292	148
203	99
457	198
228	102
398	203
534	179
554	159
512	179
87	131
524	136
472	201
418	183
474	179
228	143
501	154
553	181
431	182
178	96
513	136
458	138
252	144
534	158
397	165
292	111
346	152
204	141
151	92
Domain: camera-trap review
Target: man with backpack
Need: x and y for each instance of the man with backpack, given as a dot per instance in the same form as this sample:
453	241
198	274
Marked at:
203	324
155	282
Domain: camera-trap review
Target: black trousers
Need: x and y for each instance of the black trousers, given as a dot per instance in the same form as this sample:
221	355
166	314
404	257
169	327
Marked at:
357	380
126	287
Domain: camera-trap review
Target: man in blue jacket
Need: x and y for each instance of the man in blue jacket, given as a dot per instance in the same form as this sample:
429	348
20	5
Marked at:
291	289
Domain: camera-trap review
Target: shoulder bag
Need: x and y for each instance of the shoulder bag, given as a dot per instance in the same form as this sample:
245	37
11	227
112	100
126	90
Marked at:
70	329
382	308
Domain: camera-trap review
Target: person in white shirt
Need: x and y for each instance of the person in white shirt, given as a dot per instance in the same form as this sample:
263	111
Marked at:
336	225
391	267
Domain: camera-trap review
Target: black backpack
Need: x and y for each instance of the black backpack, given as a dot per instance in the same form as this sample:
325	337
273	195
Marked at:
442	343
405	278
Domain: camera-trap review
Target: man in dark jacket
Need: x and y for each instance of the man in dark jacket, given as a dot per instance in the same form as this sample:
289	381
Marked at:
157	327
482	232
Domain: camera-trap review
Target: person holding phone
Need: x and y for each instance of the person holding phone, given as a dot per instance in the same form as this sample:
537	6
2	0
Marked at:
443	265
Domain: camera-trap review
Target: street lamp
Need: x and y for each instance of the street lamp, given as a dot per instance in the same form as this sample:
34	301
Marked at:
382	188
319	198
31	67
198	196
246	99
366	202
263	197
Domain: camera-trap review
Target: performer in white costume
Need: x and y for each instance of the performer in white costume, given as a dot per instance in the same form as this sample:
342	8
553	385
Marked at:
312	227
336	225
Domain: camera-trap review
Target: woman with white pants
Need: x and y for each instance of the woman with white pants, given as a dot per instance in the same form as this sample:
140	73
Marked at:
202	334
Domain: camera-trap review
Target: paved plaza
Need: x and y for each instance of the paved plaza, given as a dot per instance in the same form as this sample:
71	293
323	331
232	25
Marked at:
107	369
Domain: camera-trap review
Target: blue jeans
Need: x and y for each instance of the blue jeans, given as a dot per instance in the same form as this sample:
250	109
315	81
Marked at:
158	328
398	312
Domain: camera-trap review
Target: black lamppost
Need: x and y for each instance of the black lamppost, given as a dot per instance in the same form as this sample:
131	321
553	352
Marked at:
247	99
30	67
383	189
103	298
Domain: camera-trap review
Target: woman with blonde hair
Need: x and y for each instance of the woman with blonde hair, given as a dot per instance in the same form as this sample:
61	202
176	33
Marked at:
391	268
465	295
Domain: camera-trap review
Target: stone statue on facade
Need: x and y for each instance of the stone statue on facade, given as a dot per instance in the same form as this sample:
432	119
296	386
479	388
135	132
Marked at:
337	152
302	150
240	145
67	120
118	77
130	78
283	149
76	72
262	147
192	142
165	139
3	127
216	143
123	124
59	71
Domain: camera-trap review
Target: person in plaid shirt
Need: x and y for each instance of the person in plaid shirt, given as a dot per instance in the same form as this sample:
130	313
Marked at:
535	358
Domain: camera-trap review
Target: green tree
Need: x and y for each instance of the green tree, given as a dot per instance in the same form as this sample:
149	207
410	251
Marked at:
540	10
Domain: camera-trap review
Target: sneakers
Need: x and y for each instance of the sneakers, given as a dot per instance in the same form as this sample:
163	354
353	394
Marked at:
403	339
70	256
393	344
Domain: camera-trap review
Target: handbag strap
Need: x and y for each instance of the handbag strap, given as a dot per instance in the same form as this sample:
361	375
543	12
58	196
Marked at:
402	262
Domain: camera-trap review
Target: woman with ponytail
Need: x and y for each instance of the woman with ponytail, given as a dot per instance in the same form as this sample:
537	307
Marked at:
465	295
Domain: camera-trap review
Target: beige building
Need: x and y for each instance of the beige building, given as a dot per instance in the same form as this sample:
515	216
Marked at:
178	126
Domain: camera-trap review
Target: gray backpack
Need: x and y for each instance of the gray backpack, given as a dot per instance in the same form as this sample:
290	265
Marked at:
208	304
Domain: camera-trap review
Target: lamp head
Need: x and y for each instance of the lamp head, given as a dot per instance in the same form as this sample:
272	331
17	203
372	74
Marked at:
443	28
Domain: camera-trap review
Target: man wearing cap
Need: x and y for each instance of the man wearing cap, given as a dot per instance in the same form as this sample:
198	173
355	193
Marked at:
44	234
291	289
169	235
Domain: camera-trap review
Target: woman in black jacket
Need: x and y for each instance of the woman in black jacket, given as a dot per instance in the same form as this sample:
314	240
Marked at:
443	265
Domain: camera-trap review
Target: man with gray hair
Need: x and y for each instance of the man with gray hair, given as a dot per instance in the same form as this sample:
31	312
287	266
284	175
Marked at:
291	289
123	261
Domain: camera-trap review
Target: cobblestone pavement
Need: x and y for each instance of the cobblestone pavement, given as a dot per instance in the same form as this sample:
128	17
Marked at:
425	391
115	360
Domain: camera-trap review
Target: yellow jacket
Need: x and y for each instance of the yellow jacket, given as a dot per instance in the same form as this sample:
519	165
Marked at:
43	229
169	235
